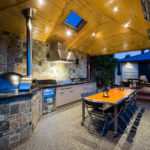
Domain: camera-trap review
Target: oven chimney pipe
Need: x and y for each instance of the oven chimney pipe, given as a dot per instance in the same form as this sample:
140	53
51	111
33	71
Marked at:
28	14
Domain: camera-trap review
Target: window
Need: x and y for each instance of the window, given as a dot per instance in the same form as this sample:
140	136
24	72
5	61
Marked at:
75	21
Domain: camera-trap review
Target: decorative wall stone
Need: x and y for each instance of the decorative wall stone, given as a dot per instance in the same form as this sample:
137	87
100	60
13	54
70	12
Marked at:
11	117
22	107
14	109
23	134
14	125
1	134
4	109
23	121
4	126
2	117
29	131
4	142
19	115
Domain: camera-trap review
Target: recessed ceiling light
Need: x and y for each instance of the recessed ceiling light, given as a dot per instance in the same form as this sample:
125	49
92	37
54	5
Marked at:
40	2
68	33
125	45
110	1
93	34
105	49
47	29
126	25
115	9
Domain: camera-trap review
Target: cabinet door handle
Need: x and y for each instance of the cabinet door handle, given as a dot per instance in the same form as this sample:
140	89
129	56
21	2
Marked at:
71	91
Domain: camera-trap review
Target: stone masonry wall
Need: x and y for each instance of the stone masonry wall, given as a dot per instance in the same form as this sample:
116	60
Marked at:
17	118
13	59
15	121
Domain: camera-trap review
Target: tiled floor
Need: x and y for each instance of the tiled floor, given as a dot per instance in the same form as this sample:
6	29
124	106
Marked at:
61	130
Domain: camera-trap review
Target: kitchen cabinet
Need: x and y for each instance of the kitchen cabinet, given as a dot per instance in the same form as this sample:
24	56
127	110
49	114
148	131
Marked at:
71	93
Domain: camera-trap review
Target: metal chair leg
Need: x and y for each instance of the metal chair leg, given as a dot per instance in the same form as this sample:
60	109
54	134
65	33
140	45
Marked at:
112	120
135	107
130	110
106	119
122	118
128	116
89	124
120	128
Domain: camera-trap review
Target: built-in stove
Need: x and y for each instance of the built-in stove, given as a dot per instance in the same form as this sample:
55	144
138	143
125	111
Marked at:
54	82
63	82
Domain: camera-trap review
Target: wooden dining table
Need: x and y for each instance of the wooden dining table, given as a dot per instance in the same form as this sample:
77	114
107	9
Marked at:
116	96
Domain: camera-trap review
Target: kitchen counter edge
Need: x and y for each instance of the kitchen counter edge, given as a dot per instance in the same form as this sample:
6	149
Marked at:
36	89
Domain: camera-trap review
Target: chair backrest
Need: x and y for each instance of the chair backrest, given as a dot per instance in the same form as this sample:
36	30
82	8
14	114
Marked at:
99	91
123	105
134	96
85	94
93	92
92	104
128	101
144	78
131	95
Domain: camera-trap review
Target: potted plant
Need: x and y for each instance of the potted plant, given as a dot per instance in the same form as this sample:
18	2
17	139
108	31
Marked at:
106	88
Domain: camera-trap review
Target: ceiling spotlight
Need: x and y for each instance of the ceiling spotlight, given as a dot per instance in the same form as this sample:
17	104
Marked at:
109	2
40	2
93	34
115	9
68	33
104	50
125	45
126	25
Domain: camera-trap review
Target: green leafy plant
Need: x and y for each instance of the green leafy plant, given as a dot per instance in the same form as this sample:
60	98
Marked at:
103	68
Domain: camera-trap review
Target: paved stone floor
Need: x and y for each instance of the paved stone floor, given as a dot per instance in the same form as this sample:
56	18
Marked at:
61	130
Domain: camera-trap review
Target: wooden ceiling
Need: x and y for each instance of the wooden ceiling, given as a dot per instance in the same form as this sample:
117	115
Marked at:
111	35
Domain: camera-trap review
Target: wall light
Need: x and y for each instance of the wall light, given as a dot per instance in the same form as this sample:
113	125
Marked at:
93	34
115	9
68	33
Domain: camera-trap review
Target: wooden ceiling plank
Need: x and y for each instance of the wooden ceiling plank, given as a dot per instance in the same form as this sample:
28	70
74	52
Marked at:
111	36
6	4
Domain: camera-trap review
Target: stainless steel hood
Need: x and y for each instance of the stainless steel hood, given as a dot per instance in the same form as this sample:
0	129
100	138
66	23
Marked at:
59	53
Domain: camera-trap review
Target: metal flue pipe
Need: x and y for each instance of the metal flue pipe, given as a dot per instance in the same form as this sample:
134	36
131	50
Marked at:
28	14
